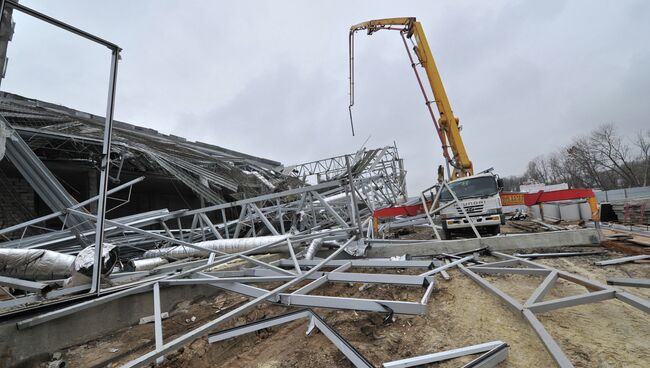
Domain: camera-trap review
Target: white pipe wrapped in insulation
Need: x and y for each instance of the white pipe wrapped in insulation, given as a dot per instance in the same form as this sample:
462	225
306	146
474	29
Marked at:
223	245
35	264
314	246
41	264
144	264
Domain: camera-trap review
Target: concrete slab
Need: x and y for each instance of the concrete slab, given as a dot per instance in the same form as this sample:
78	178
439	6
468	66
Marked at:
565	238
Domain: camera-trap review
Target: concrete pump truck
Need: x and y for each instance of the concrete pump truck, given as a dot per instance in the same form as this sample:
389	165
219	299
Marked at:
478	194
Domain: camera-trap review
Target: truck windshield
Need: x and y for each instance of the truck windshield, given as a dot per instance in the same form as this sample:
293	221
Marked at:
469	188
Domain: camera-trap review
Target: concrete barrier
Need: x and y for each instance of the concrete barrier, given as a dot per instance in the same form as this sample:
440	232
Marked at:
552	239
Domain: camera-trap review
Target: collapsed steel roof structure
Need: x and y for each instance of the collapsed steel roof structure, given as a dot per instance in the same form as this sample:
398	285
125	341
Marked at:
322	232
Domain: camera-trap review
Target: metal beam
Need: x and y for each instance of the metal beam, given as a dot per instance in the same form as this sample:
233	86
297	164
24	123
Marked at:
623	260
368	305
542	289
634	300
490	359
265	221
158	332
622	281
373	263
448	265
505	270
510	302
571	301
551	346
31	286
329	209
443	355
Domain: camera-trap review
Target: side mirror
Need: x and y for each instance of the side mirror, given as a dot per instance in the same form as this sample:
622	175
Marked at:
500	183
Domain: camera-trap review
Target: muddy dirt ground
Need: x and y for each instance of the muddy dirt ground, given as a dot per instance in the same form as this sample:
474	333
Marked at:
460	313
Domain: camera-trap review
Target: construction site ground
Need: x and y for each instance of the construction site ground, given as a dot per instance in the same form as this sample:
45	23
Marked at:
460	313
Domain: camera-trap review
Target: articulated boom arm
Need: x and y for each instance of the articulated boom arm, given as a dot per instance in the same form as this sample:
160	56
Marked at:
447	126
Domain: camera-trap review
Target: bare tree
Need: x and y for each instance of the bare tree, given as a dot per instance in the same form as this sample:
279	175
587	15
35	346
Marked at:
586	163
612	153
601	159
642	142
537	170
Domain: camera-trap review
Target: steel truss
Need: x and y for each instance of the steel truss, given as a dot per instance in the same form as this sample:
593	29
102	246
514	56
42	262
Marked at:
281	271
536	304
384	169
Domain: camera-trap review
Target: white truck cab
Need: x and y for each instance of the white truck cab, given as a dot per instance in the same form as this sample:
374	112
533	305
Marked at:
479	195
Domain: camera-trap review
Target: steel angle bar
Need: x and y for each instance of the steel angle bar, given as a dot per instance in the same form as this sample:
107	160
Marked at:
240	221
462	208
428	292
158	332
257	326
266	265
31	286
428	215
443	355
506	263
292	253
549	343
202	330
321	280
510	302
262	217
490	359
358	304
623	260
636	301
213	229
448	265
243	289
329	209
621	281
542	289
343	345
522	261
506	270
587	283
373	263
559	254
451	256
215	280
571	301
378	278
61	24
444	273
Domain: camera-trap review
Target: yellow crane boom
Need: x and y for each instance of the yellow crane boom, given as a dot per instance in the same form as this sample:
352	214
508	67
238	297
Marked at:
447	126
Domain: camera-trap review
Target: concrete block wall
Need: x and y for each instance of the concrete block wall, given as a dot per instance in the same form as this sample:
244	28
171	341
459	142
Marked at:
17	201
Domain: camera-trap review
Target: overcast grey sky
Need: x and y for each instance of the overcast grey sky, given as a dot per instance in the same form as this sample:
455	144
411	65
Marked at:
270	78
